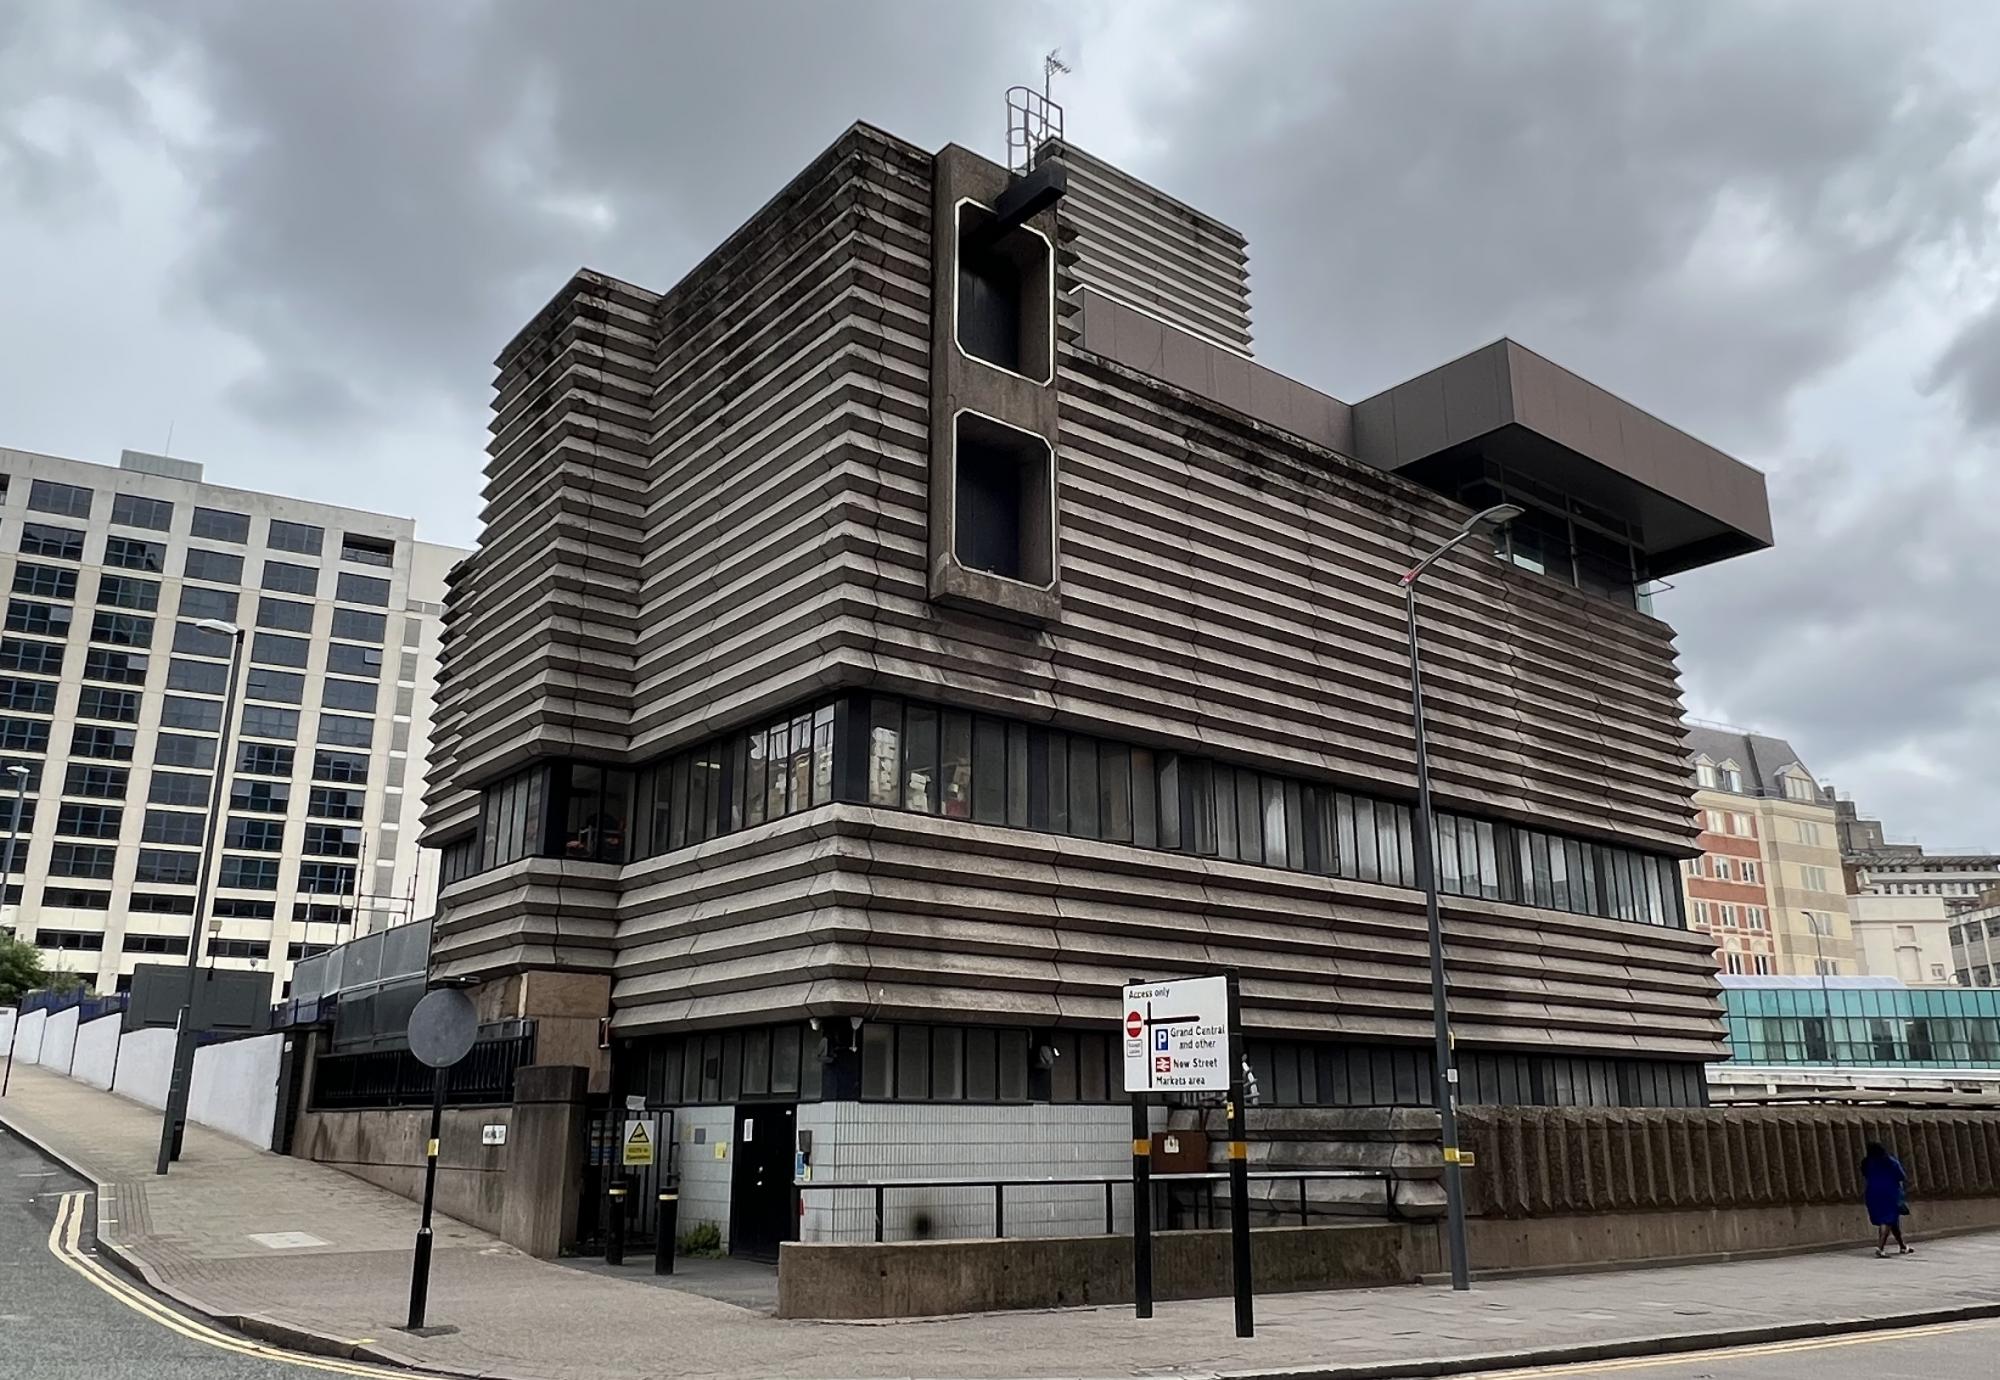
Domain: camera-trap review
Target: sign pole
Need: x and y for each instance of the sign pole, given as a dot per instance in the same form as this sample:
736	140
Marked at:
1180	1038
1142	1200
1142	1210
1239	1172
420	1270
443	1029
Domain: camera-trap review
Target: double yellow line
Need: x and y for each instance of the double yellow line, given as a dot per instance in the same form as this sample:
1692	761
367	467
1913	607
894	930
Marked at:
65	1243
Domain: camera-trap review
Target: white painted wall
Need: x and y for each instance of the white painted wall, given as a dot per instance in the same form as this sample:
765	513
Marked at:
59	1040
235	1087
28	1039
913	1140
6	1030
145	1066
704	1178
97	1051
1905	937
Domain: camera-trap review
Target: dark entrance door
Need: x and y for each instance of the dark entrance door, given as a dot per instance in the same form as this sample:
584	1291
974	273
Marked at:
760	1188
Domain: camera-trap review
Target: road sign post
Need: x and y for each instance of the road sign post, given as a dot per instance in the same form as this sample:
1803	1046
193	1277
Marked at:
1239	1169
1142	1210
1184	1036
1142	1181
442	1031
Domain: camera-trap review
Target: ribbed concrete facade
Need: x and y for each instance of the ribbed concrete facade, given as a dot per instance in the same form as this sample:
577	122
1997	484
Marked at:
1132	242
711	506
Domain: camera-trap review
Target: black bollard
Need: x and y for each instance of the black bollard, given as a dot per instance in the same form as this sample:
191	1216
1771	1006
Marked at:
614	1229
663	1248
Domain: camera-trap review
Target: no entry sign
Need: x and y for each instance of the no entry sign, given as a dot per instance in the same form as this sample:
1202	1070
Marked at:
1135	1025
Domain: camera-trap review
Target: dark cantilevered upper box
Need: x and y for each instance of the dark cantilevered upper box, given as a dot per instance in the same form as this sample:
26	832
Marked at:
1505	411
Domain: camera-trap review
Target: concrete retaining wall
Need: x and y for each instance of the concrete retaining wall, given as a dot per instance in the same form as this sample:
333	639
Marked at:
1554	1162
145	1066
235	1087
28	1037
1650	1238
96	1061
385	1146
59	1041
927	1278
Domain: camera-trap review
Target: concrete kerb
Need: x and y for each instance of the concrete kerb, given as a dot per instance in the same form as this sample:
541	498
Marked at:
313	1343
1669	1344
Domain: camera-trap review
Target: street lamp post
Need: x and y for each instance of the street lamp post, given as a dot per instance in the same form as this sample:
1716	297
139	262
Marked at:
174	1123
1813	923
1445	1079
20	775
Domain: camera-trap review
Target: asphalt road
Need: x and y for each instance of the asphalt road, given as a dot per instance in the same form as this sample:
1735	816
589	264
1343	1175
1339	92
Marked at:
64	1322
1957	1351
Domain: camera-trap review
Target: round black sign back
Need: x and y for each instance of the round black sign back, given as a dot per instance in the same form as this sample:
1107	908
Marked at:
443	1027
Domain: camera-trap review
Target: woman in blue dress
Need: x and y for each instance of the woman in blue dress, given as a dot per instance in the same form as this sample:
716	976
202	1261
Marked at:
1883	1185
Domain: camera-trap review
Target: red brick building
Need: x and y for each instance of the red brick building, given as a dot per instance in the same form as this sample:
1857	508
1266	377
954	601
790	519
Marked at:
1728	886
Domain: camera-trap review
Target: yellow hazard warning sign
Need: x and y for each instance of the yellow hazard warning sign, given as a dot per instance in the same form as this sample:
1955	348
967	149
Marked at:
638	1144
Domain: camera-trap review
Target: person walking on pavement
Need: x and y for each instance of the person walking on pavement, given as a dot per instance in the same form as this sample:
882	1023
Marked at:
1883	1190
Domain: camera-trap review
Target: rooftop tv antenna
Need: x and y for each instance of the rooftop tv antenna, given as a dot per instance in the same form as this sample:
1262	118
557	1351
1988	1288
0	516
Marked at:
1051	65
1033	117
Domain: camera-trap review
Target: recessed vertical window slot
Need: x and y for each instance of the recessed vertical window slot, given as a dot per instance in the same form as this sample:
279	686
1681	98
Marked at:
1004	306
1001	521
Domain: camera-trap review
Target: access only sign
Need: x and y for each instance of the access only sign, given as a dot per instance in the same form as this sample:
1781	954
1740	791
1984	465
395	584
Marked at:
1177	1036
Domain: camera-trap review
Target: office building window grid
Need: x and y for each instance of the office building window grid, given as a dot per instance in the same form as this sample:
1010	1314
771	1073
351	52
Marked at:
101	569
932	759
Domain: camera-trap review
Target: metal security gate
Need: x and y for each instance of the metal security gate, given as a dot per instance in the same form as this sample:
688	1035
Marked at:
604	1169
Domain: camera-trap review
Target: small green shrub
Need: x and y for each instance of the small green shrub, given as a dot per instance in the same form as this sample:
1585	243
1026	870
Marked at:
704	1240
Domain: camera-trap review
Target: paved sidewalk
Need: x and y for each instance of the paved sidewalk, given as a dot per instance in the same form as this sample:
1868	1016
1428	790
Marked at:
519	1317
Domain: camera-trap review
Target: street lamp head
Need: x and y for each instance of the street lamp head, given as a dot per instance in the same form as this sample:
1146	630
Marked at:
1494	518
1490	520
217	625
19	772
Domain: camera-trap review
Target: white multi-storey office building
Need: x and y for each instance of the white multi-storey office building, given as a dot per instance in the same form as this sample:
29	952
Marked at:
113	700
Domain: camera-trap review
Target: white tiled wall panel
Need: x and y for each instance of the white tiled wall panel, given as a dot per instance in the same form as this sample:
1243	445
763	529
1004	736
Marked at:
704	1178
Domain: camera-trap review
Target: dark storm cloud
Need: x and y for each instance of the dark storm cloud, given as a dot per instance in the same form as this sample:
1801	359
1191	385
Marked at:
1865	639
50	66
403	184
1970	370
1691	203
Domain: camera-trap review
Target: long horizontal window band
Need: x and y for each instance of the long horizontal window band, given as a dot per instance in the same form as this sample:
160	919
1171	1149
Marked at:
882	1061
932	759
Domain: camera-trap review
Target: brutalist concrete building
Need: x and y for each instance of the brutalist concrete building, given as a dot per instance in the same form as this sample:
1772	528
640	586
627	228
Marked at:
928	614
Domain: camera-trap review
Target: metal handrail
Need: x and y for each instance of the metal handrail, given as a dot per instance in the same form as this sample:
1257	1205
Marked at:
881	1187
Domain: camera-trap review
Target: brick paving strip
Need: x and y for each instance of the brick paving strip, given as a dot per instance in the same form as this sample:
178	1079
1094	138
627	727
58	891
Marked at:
190	1236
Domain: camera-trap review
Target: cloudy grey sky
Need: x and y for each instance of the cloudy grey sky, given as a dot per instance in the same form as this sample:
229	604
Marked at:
297	235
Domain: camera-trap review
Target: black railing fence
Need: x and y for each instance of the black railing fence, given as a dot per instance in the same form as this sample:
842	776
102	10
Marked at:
1190	1199
396	1078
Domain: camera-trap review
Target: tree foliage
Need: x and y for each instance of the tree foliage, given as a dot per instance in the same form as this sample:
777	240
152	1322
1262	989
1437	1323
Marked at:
21	969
